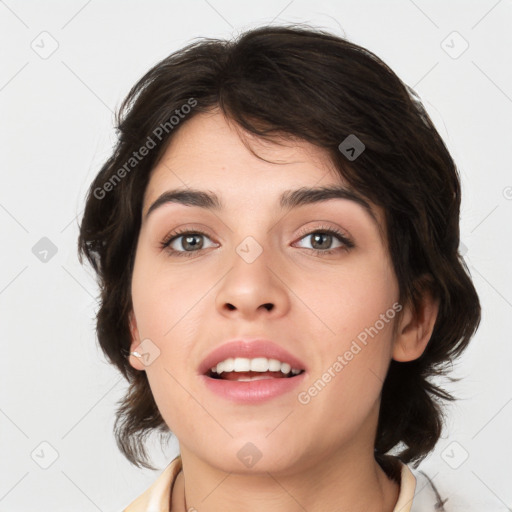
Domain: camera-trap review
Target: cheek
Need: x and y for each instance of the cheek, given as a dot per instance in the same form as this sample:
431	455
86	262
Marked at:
353	298
168	309
358	305
165	297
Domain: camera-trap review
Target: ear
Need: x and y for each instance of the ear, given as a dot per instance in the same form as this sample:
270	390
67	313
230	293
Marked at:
135	362
415	327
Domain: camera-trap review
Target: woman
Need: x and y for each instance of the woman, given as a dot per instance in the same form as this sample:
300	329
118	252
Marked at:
276	240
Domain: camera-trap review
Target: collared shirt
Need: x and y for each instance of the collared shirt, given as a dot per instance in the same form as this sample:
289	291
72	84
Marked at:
416	492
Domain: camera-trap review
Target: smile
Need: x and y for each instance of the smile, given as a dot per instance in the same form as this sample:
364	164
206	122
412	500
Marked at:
243	369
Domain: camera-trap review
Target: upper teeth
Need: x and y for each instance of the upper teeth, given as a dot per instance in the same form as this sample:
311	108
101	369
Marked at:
258	364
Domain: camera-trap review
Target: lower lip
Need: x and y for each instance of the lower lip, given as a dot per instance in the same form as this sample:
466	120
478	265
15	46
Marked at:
251	392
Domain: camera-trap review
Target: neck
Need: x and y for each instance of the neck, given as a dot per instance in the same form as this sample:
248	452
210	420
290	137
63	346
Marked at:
344	481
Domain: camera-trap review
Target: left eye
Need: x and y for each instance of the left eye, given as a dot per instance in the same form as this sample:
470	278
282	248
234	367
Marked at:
324	240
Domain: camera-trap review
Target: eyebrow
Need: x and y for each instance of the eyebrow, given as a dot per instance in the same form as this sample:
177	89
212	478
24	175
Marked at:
289	199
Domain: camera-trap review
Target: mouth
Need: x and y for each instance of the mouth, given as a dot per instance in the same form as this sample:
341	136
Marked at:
242	369
252	371
253	379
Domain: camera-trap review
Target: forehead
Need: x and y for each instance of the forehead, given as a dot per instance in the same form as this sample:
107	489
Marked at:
211	151
246	173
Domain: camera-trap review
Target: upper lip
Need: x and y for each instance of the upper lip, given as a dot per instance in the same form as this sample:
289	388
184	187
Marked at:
250	350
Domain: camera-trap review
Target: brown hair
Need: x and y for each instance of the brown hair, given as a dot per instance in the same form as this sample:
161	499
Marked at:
308	84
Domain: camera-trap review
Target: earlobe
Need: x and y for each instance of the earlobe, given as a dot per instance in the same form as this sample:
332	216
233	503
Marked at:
135	361
415	329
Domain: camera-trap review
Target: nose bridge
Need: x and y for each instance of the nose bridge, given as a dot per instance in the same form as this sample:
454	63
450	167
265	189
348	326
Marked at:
251	284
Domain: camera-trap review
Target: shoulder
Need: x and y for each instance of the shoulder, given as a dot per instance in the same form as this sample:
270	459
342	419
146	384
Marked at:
424	497
157	497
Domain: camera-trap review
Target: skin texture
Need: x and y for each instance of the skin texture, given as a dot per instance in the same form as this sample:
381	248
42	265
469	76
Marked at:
316	456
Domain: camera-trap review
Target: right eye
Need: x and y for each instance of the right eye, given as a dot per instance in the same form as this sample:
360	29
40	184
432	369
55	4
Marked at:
184	242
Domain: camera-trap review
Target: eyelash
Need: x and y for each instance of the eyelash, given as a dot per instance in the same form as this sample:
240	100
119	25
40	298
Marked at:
347	243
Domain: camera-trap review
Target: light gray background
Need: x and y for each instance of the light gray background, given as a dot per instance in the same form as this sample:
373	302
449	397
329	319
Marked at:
56	131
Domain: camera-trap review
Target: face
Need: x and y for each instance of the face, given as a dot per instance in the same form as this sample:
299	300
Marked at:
315	278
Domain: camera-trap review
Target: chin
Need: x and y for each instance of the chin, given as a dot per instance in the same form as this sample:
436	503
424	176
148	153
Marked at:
255	455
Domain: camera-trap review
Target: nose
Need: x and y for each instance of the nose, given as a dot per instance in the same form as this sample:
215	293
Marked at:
251	290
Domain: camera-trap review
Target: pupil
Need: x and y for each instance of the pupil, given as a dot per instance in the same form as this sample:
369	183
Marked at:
189	241
319	235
